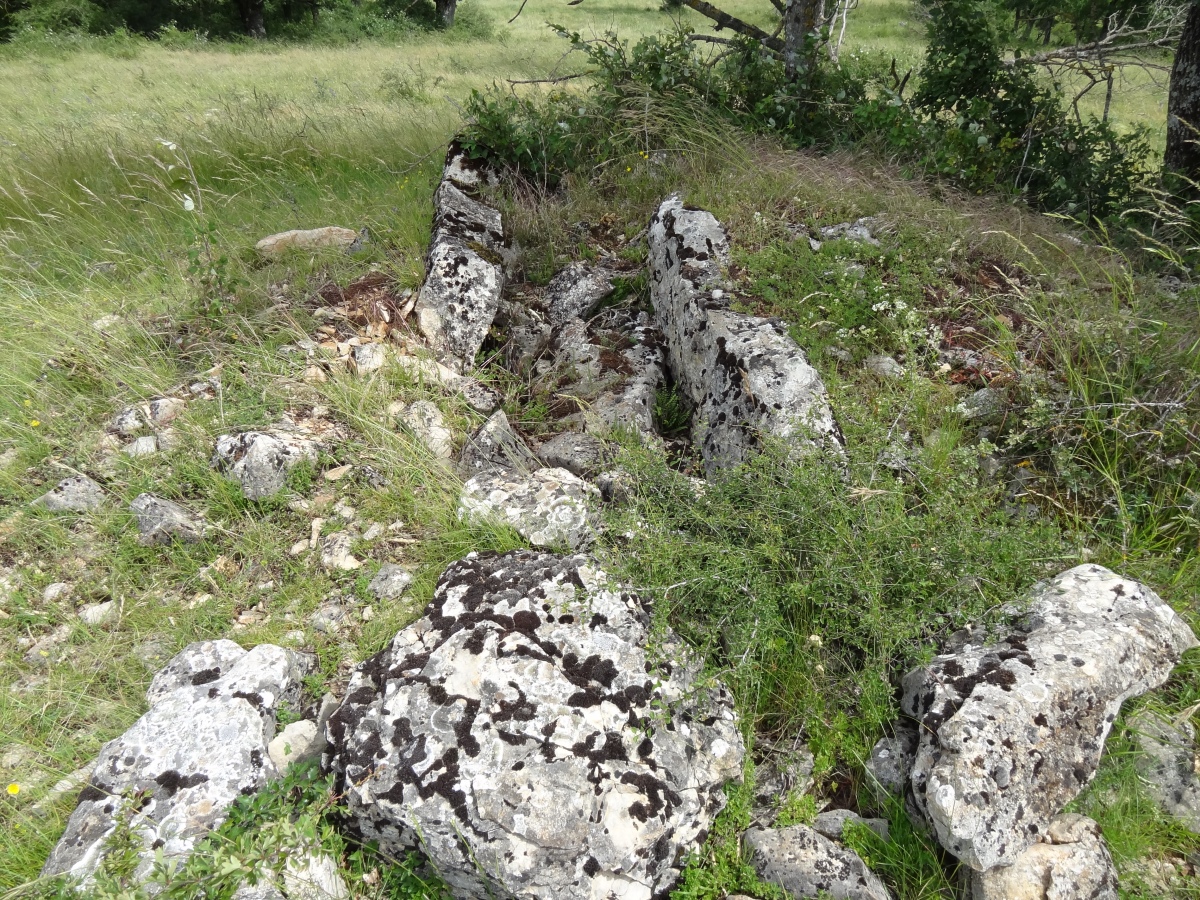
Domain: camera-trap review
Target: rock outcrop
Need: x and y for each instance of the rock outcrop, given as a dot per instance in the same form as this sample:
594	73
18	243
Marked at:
464	271
260	460
1010	732
575	292
522	735
175	773
1071	862
548	507
743	375
805	864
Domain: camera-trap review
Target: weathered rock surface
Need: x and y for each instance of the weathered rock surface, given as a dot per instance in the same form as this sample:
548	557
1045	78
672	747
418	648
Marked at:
1170	750
331	236
75	494
464	269
884	367
495	447
579	453
612	368
296	744
576	291
514	729
549	507
1071	863
1011	732
162	521
390	582
426	422
831	824
260	460
805	864
986	406
202	744
743	375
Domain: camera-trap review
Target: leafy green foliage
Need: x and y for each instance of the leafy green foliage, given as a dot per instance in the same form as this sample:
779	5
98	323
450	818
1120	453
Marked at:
909	859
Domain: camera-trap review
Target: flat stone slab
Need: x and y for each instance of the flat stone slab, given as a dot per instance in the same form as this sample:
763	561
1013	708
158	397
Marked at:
161	521
1170	751
202	745
549	507
75	494
1010	732
327	237
524	737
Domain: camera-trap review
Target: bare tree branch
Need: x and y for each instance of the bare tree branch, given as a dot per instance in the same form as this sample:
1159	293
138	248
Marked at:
725	20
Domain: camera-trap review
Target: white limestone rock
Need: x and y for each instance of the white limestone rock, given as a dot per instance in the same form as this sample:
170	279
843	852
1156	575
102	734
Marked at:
496	447
464	272
1072	862
296	744
743	375
1009	733
522	735
260	460
390	582
1170	751
162	521
549	507
202	744
426	422
75	494
805	864
576	291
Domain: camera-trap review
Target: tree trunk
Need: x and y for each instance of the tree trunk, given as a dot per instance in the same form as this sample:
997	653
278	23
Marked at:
800	20
1183	102
252	18
445	12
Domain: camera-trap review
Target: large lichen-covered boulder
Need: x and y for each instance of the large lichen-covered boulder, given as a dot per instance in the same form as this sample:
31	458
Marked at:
523	736
176	772
464	271
743	375
1010	732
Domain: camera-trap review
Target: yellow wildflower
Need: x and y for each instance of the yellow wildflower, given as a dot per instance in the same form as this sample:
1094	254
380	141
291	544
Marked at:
14	789
34	423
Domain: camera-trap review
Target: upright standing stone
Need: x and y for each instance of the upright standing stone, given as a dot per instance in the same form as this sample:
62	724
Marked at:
743	375
464	271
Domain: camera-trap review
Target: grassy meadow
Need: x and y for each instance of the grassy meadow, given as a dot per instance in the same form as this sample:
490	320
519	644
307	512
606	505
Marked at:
113	292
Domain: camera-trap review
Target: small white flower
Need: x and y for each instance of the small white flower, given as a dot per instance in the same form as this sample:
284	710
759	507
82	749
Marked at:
815	640
188	203
170	145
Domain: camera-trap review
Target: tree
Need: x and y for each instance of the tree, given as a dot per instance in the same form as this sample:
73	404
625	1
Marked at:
1182	155
445	12
253	17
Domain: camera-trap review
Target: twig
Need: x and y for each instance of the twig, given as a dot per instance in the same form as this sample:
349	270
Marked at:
551	80
519	11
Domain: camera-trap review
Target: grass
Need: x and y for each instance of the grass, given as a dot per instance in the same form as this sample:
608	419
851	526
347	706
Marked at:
287	136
